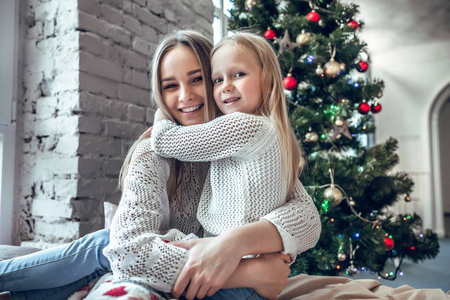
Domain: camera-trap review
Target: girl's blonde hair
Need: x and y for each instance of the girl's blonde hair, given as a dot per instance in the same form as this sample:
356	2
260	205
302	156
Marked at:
273	104
201	47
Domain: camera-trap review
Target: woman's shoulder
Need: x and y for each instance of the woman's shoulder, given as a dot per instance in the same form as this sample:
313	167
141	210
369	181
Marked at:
144	150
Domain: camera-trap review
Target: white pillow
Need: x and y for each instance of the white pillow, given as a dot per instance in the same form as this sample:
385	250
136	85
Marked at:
110	210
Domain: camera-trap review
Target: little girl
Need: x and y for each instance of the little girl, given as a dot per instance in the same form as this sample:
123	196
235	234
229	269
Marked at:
253	151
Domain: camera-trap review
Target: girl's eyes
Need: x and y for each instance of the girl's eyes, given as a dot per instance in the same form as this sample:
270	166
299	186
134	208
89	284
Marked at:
237	75
217	80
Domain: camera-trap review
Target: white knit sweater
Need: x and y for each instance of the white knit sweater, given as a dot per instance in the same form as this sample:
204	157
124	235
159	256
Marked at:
146	219
246	178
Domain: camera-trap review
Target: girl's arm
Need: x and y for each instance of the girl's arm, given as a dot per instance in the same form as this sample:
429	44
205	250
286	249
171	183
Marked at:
292	228
237	134
297	221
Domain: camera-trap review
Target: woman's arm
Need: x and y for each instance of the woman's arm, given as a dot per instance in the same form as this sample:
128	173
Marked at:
236	134
138	250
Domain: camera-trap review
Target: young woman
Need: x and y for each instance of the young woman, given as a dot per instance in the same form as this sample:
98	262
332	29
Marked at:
180	93
146	219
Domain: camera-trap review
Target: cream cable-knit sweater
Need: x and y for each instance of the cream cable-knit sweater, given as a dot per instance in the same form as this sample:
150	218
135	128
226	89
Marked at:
146	219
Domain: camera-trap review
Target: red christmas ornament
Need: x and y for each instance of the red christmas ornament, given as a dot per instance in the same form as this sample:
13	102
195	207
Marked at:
313	16
289	82
376	107
270	34
363	66
353	24
388	243
364	108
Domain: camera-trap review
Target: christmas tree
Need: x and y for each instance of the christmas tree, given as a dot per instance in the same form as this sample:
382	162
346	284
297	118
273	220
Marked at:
332	100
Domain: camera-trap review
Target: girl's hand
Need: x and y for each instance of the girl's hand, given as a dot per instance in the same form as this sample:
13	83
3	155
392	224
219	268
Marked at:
270	274
159	115
210	263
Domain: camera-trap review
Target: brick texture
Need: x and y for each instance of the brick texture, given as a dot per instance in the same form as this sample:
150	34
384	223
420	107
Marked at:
84	96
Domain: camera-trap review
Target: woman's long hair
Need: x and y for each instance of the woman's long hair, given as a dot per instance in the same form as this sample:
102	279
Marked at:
201	48
273	104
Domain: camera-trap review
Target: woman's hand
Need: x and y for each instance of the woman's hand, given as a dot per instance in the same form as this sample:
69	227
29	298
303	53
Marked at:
210	263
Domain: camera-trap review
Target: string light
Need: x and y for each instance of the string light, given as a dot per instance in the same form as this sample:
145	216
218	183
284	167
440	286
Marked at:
310	59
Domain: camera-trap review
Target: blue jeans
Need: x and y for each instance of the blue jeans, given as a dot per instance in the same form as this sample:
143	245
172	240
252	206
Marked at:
56	273
238	293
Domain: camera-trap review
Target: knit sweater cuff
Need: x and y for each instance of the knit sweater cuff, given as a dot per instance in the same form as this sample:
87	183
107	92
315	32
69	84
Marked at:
289	242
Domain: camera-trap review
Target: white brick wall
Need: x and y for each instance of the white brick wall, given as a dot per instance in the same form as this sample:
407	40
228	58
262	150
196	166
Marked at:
86	96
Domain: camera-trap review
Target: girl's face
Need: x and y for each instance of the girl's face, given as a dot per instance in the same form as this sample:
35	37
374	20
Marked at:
182	85
237	81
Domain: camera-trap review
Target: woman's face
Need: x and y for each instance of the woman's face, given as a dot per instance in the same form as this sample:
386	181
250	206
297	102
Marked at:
182	85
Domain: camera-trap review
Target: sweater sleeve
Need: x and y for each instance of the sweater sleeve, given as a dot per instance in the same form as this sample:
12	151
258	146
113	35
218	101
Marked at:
236	134
138	249
297	221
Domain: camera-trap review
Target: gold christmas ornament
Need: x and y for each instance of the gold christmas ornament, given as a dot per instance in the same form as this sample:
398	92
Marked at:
380	94
341	256
339	122
319	70
303	38
311	137
334	194
332	68
408	198
249	4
